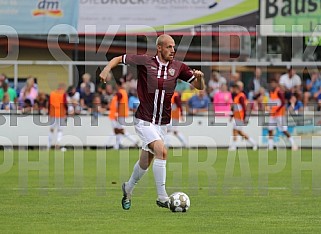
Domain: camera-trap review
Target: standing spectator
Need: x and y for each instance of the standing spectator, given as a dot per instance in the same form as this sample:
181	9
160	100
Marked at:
290	82
41	103
198	103
29	91
86	99
86	80
253	88
222	101
215	83
313	86
6	104
73	100
57	114
118	112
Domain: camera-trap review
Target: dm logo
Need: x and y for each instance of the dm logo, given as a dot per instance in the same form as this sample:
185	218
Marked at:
49	8
214	4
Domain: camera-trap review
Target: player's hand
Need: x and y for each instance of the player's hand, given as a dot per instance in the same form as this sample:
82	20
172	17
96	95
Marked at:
104	75
198	74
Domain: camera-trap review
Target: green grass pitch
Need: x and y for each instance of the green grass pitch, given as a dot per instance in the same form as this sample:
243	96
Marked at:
230	192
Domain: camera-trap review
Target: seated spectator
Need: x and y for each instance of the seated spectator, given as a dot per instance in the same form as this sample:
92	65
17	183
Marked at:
29	91
253	87
198	103
215	83
6	104
27	106
86	80
7	89
73	100
313	86
97	109
188	93
222	101
290	82
295	105
41	103
133	102
260	100
106	94
86	99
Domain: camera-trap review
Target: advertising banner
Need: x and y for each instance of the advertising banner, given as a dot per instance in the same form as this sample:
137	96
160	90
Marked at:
37	16
290	18
126	16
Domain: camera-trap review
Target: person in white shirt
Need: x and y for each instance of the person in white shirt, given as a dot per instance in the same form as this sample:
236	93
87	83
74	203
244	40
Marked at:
291	83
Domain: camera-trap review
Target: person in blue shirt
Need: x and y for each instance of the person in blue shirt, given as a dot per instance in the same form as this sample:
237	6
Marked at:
295	104
198	103
313	87
133	102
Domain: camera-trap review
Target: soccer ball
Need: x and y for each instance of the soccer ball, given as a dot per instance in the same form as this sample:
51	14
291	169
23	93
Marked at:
179	202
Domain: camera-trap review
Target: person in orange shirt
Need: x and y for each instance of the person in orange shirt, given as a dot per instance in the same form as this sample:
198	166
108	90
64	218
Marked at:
277	114
176	114
57	109
118	111
239	114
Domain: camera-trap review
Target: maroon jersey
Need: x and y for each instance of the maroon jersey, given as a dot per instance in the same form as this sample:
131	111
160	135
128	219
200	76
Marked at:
156	84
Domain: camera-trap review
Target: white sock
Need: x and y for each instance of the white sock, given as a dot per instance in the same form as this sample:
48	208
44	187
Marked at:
271	143
137	174
59	136
252	141
159	169
118	138
130	138
182	138
50	138
291	140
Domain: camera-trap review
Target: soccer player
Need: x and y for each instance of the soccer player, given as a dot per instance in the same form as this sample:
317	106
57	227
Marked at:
157	77
118	111
57	109
176	114
277	114
239	114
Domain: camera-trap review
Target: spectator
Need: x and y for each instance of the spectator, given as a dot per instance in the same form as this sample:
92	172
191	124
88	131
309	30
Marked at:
313	86
290	82
131	83
6	104
41	103
86	99
235	77
7	89
29	91
86	80
215	83
198	103
295	105
97	109
253	88
133	102
188	93
260	100
73	100
106	95
27	106
222	101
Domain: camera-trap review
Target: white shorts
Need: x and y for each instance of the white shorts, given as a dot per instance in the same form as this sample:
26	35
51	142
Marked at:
172	126
149	133
238	124
57	123
277	121
117	123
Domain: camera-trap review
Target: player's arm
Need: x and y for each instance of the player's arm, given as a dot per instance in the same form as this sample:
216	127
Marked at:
242	102
282	98
112	63
198	82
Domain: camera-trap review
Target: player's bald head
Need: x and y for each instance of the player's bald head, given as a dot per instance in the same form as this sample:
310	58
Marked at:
163	38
